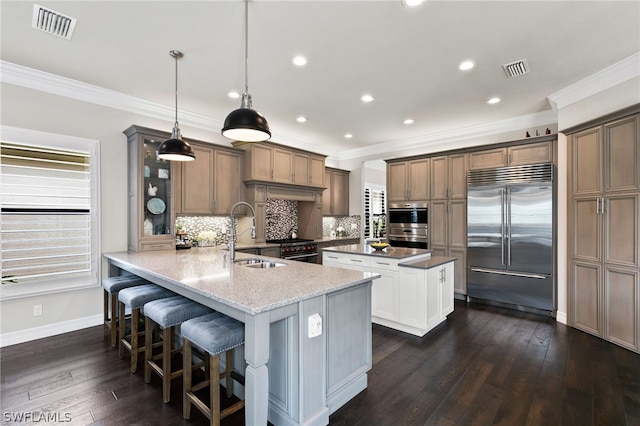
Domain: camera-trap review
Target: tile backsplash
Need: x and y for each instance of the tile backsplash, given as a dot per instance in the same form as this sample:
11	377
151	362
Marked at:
350	225
281	216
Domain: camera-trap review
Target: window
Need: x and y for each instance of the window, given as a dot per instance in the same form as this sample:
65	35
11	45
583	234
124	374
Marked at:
49	213
374	213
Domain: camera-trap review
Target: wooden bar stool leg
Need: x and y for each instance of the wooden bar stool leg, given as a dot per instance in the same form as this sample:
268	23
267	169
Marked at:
166	363
105	312
186	371
214	389
114	320
122	328
135	348
148	348
228	370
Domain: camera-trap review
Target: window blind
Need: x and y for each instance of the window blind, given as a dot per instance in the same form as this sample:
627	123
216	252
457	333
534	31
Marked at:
46	214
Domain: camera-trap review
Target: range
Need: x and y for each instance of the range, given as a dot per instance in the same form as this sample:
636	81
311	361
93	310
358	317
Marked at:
299	249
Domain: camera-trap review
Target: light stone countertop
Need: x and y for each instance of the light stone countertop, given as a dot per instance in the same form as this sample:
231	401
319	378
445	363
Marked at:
206	271
389	252
428	263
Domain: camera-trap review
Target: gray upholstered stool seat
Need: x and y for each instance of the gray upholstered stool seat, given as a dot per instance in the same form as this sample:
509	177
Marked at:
135	298
112	287
214	333
166	313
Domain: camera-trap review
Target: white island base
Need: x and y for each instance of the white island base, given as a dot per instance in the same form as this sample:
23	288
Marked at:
415	290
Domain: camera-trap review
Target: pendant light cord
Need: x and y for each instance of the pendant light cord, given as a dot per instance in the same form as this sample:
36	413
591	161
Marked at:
175	55
246	46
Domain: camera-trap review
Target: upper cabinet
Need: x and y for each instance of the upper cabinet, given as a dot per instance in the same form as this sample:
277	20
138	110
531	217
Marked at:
408	180
530	153
449	176
151	189
335	199
212	183
273	163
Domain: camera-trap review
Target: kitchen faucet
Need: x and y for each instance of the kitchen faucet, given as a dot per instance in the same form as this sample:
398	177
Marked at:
232	249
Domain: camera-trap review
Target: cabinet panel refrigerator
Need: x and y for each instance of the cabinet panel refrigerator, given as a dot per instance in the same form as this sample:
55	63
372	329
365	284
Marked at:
510	237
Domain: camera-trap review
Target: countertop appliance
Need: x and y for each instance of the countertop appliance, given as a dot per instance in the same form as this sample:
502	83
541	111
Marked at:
299	249
511	236
408	224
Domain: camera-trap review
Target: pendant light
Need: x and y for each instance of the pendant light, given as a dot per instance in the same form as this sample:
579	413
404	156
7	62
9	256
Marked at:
175	149
246	124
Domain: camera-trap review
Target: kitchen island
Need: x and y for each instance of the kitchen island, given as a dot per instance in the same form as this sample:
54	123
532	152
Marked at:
415	290
291	377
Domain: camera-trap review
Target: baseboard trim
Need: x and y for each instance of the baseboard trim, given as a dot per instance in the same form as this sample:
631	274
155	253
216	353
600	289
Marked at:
22	336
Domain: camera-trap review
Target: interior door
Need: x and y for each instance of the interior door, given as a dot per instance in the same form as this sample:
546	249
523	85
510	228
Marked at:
486	227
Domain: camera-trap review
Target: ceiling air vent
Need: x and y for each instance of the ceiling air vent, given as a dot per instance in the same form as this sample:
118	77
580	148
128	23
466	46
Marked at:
53	22
514	69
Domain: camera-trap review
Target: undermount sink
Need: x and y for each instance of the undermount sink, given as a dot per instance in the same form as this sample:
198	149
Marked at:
258	263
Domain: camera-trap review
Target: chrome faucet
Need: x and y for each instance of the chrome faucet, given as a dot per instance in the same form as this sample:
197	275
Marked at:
232	248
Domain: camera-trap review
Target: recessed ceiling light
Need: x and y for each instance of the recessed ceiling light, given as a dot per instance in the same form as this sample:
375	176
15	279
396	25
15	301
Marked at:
301	119
412	3
408	121
367	98
299	61
467	65
234	95
493	101
348	135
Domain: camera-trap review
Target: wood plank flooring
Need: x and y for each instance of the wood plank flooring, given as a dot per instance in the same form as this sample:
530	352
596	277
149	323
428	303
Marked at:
484	366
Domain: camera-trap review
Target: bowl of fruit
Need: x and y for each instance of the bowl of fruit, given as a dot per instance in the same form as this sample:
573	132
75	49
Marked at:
378	245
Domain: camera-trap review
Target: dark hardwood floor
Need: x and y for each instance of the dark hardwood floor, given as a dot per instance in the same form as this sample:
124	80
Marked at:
485	365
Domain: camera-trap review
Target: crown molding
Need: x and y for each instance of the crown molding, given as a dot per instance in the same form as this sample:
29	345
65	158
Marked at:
611	76
31	78
528	121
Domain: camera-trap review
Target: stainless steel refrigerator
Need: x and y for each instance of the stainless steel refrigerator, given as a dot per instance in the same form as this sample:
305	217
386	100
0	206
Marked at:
510	237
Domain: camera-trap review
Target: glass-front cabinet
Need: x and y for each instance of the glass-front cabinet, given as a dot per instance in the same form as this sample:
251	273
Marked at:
151	191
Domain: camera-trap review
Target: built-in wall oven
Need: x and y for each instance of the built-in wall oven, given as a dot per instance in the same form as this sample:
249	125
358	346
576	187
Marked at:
408	224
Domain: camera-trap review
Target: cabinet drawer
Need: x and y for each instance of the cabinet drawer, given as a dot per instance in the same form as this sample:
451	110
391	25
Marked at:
384	264
148	246
361	261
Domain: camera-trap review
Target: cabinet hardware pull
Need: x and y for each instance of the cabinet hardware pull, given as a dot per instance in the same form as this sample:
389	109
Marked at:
603	205
598	205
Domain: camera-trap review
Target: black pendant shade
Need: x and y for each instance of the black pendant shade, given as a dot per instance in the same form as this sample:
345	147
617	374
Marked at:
246	124
175	149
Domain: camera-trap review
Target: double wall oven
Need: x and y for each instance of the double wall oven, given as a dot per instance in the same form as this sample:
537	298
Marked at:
408	224
299	249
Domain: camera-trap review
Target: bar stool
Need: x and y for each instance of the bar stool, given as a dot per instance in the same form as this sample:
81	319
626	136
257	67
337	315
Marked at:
166	313
135	298
214	333
112	287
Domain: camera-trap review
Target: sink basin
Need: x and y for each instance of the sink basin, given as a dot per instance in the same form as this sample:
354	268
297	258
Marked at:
258	263
265	264
248	261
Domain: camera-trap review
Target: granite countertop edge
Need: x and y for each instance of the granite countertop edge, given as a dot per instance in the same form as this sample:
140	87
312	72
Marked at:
433	262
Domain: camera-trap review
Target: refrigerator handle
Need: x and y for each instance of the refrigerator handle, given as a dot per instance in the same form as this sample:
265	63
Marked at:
508	239
502	234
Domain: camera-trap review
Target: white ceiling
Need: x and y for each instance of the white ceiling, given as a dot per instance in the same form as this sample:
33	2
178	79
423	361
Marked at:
406	58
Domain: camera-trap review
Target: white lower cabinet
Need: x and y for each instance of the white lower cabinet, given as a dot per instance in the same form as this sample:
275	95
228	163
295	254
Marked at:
409	299
427	296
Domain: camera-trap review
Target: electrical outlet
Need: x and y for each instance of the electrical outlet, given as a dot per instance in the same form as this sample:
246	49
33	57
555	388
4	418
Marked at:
354	226
315	325
37	310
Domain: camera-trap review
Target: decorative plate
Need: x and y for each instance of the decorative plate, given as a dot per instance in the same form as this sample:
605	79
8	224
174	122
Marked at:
156	206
